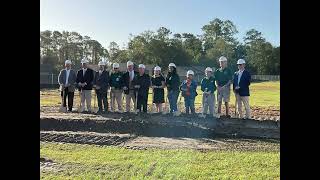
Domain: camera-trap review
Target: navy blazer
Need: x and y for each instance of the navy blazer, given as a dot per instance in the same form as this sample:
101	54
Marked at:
88	78
102	81
244	83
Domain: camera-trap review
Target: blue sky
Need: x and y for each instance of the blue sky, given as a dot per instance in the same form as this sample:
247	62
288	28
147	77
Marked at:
114	20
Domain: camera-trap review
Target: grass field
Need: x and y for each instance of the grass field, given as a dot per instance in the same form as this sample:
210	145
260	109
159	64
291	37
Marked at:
94	162
263	94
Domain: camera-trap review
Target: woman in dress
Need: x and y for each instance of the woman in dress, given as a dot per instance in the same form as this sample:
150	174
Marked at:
158	84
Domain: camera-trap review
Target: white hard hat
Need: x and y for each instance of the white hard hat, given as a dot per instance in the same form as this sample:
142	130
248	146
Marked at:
115	65
84	60
222	58
241	61
129	63
172	65
67	62
101	63
190	72
157	68
208	69
142	66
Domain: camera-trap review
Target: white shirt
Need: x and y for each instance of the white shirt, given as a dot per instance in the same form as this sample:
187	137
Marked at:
84	71
67	77
239	75
100	71
131	73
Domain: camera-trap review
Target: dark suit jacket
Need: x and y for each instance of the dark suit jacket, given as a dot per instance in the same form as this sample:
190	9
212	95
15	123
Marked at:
102	81
244	83
144	81
126	79
88	78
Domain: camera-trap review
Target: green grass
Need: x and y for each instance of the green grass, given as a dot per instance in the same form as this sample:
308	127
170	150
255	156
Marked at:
263	94
96	162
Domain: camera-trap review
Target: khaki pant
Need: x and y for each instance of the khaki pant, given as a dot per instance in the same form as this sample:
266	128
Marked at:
116	95
245	101
208	101
130	97
85	97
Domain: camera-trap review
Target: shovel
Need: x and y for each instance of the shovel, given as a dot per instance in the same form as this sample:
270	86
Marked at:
80	105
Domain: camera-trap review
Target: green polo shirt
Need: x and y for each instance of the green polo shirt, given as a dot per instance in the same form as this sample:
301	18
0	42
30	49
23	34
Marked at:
223	76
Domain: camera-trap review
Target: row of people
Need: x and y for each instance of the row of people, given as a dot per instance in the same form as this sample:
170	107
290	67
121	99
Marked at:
135	86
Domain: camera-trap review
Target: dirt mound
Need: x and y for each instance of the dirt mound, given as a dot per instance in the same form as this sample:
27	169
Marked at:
157	125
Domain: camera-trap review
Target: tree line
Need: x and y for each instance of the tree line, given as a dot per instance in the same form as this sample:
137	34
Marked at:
162	47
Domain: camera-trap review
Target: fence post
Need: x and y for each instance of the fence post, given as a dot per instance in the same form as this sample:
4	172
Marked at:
51	78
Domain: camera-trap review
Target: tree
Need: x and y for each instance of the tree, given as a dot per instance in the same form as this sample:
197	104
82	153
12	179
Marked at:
253	35
218	29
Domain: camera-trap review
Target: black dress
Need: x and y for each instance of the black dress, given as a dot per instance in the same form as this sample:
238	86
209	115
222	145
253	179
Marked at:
158	93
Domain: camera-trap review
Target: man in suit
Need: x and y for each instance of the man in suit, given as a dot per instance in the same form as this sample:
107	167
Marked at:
141	85
101	84
67	81
85	82
241	83
128	88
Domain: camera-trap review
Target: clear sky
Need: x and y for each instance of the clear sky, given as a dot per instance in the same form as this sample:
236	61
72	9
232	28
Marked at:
114	20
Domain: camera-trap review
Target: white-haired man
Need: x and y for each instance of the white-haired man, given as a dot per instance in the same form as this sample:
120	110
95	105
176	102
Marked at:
223	77
101	84
84	80
116	84
67	81
208	87
241	83
141	85
128	88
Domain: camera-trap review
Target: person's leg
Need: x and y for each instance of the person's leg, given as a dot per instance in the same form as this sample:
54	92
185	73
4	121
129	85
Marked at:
88	99
64	96
226	98
128	99
219	98
139	103
170	99
112	101
82	100
210	103
245	100
118	97
175	100
70	100
186	104
99	98
145	104
204	104
191	101
213	105
160	107
105	101
238	99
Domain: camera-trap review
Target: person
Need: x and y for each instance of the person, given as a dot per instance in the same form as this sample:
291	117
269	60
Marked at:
67	81
141	85
189	92
223	77
85	83
241	83
116	84
158	84
173	83
101	85
128	78
208	87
